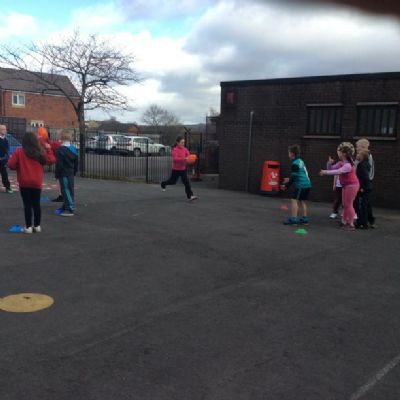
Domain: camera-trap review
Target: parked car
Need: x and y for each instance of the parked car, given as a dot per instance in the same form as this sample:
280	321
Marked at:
138	145
13	142
112	143
91	144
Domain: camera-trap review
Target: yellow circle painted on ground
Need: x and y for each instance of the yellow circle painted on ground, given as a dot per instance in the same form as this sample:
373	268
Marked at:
25	302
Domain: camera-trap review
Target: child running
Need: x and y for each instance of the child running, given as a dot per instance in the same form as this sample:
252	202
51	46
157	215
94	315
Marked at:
345	168
179	156
302	185
28	161
66	168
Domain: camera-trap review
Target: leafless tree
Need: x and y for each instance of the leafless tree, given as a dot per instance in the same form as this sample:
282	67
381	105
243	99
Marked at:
157	116
94	66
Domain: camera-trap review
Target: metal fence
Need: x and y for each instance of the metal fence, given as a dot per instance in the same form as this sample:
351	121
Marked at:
119	156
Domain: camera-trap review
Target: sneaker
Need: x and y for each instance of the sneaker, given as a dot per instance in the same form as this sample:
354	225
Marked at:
192	198
163	187
28	230
304	221
37	229
373	226
333	216
290	221
9	191
58	199
66	214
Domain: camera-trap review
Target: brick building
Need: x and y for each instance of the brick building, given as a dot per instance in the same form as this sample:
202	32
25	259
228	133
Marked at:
40	104
317	113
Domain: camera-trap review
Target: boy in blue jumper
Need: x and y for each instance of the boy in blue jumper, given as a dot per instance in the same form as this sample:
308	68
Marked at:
66	169
302	185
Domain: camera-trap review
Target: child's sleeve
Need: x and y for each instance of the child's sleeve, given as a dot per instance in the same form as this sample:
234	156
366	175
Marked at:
50	158
13	161
339	171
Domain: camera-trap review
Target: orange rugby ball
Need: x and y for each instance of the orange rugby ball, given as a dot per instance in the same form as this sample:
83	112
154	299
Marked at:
191	159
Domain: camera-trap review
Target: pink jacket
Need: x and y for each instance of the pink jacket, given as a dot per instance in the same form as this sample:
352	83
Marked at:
346	171
179	155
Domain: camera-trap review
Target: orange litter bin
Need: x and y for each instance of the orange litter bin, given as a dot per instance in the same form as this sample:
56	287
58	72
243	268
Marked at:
270	177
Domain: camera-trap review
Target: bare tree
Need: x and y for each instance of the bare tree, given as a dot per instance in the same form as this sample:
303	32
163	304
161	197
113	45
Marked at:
158	116
94	66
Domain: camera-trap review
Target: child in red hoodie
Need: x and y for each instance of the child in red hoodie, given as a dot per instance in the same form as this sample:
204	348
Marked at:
28	161
179	156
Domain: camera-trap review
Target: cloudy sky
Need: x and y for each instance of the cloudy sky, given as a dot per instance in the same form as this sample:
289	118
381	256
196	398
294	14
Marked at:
185	48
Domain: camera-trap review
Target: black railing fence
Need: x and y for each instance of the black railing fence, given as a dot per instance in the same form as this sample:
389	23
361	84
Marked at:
121	156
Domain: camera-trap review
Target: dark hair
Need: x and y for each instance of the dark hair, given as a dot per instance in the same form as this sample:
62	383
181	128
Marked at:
178	139
295	150
32	147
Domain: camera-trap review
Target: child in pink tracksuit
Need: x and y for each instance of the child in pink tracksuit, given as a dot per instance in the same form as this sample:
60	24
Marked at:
348	179
179	156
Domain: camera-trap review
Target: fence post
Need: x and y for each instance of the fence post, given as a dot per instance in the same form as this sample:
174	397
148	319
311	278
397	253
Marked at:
147	160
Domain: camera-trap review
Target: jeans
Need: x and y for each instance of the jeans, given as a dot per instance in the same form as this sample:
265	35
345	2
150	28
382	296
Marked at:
4	175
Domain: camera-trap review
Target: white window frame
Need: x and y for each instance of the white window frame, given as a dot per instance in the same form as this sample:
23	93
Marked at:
18	103
37	123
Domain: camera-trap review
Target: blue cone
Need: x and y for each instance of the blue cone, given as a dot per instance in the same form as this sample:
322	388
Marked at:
16	229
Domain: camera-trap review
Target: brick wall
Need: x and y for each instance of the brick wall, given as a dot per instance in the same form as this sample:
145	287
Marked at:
280	119
55	111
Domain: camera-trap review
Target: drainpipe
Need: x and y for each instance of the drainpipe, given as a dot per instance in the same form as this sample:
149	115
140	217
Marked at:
249	150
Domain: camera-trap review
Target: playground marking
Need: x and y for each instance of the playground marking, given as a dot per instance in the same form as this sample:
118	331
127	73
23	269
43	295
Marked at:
25	302
376	378
284	207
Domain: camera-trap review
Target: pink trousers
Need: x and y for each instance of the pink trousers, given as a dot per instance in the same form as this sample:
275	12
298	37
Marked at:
349	194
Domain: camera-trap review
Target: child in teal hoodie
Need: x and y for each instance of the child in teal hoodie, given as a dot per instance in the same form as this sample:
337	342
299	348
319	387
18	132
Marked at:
300	180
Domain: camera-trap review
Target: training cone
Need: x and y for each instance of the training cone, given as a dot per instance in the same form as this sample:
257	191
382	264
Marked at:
301	231
16	229
44	199
58	211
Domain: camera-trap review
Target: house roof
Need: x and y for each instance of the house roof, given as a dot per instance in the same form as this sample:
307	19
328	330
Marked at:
314	79
25	81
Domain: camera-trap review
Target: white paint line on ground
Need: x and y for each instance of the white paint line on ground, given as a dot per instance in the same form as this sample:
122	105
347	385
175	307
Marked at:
137	215
376	378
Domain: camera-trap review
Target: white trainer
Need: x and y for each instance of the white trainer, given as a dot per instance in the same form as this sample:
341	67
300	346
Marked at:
333	216
28	230
37	229
193	198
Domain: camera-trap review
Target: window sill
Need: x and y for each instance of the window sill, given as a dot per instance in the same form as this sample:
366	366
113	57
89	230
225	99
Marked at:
382	138
321	137
18	106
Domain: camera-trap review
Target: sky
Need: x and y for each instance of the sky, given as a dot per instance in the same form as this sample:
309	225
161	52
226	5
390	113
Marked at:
185	48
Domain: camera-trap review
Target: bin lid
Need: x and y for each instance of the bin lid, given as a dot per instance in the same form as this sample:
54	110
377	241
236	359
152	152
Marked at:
272	163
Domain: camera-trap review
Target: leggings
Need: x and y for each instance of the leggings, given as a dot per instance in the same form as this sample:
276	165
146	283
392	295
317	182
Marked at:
31	199
349	194
185	180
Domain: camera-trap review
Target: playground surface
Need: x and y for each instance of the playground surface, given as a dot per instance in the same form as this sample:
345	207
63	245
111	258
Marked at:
156	298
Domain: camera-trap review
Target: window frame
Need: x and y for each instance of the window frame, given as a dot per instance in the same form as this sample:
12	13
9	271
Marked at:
372	112
19	96
326	116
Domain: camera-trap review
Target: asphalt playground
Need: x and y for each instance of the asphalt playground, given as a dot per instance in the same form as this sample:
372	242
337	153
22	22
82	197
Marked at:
156	298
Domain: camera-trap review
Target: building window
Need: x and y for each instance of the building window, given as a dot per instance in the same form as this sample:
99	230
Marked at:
230	98
377	120
324	120
37	124
18	100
